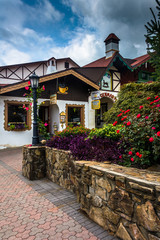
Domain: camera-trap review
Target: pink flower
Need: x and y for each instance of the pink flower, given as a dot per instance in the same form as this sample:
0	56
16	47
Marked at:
23	106
151	139
114	124
128	123
27	88
138	115
148	98
43	87
46	124
24	94
158	134
27	108
30	104
140	107
153	128
137	153
132	159
130	153
156	97
120	157
29	83
118	131
146	117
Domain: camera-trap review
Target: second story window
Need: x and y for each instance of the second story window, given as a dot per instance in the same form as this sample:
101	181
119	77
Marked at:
66	64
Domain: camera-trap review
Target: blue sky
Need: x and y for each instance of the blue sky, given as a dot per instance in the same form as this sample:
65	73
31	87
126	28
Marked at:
35	30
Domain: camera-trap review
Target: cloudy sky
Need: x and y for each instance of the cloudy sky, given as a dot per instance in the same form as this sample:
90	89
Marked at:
35	30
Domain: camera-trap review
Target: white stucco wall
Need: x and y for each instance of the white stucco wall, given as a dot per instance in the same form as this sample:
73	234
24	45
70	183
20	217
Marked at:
62	108
13	138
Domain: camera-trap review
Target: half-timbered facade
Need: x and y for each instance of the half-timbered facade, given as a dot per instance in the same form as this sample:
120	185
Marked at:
73	95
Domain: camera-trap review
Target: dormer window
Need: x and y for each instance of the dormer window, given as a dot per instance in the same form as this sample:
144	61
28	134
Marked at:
66	65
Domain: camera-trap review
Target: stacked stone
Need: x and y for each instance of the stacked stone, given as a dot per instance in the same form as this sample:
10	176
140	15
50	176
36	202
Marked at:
33	164
127	207
124	201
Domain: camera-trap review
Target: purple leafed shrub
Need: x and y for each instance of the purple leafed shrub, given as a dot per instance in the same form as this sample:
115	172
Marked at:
96	149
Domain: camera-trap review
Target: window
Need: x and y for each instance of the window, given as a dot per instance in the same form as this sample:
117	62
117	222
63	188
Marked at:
16	117
145	77
66	64
75	115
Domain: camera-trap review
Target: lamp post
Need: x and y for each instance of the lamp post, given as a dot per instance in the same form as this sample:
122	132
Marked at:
34	79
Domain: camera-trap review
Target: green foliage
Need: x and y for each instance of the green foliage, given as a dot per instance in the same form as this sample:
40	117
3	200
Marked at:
12	127
108	131
153	40
132	96
43	129
141	134
73	131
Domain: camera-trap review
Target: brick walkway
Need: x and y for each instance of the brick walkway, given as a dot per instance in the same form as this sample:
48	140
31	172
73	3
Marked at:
36	210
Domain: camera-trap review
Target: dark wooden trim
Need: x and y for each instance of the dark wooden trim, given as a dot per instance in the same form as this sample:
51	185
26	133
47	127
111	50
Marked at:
82	107
6	114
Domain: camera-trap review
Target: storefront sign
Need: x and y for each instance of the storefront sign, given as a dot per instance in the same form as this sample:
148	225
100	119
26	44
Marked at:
109	95
53	99
96	104
95	95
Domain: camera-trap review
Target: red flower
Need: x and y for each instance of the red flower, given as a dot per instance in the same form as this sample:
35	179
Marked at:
130	153
140	107
132	159
151	103
27	88
46	124
29	83
118	131
153	128
114	124
43	87
27	108
30	104
23	106
120	157
119	115
128	123
140	155
156	97
126	111
146	117
151	139
148	98
158	134
137	153
138	115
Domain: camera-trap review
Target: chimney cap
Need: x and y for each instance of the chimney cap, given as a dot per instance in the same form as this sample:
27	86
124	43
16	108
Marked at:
111	36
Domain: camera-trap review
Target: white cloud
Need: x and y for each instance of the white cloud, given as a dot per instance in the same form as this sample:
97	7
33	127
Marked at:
82	49
10	55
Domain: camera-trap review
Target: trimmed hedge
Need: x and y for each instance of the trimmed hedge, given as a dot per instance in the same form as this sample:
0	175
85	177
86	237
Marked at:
132	96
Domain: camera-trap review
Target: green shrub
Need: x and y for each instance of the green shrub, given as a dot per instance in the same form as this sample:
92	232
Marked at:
132	96
72	131
108	131
141	134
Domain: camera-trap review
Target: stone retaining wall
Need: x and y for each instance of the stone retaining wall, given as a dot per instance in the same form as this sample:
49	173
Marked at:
124	201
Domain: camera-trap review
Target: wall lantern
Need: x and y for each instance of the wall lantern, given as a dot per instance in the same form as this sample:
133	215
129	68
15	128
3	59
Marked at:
62	118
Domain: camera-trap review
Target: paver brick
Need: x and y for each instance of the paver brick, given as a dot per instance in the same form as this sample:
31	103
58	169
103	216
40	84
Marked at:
39	210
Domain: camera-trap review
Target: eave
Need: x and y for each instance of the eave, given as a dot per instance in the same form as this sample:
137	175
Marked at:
47	78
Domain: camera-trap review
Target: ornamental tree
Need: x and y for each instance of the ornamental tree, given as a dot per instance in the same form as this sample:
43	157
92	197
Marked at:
153	40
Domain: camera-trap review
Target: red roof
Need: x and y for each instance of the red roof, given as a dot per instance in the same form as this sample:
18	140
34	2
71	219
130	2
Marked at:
112	36
102	62
140	60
